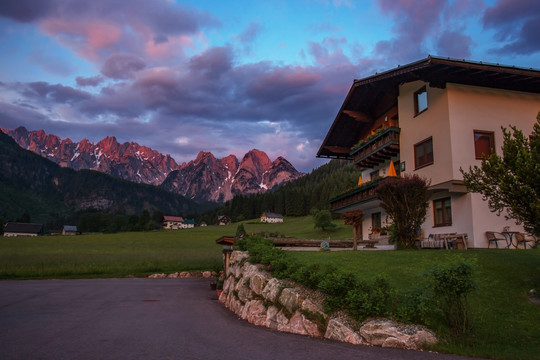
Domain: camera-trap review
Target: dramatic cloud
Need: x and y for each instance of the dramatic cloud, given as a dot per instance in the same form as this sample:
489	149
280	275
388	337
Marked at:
25	11
51	94
122	66
180	80
89	81
413	22
454	44
517	24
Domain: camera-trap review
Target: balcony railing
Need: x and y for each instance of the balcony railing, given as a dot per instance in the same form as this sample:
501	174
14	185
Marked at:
377	150
361	194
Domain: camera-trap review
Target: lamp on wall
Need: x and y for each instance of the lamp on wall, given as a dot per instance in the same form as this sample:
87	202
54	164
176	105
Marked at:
392	169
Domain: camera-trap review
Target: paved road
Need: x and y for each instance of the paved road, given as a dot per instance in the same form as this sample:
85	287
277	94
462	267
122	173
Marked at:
149	319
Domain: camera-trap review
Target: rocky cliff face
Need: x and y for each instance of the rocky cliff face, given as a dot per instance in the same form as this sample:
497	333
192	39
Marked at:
210	179
203	179
129	161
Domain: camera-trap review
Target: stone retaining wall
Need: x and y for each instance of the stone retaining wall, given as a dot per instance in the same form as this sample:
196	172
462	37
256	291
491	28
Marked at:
251	293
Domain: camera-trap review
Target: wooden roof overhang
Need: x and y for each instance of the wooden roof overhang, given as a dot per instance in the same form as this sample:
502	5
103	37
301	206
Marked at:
226	240
370	97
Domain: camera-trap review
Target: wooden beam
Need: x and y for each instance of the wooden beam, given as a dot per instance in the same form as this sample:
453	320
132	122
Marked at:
359	116
338	149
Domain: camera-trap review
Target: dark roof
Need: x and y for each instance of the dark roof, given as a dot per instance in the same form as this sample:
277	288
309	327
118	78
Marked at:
226	240
14	227
173	218
272	215
370	97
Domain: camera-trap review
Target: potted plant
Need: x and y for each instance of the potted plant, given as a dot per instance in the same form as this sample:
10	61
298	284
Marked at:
219	286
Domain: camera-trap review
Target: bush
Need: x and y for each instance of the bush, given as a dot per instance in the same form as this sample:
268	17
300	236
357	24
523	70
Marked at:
406	202
451	284
415	306
310	275
337	285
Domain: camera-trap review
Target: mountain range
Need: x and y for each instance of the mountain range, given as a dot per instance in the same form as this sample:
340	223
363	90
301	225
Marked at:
204	179
31	184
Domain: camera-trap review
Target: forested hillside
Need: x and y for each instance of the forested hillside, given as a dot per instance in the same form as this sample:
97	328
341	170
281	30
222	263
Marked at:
296	198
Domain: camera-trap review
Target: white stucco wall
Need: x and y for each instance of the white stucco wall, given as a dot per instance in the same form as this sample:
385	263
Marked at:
452	116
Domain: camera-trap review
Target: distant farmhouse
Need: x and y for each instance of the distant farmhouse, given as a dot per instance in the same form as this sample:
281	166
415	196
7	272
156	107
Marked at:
224	220
172	222
188	224
69	230
270	217
22	229
177	222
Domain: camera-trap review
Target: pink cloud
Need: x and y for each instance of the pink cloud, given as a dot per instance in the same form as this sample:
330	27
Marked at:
174	46
86	38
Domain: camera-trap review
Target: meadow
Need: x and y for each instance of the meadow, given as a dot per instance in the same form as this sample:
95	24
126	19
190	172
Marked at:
506	325
134	253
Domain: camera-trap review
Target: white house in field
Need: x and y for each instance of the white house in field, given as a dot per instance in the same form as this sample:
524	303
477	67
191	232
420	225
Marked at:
270	217
188	224
13	229
172	222
431	118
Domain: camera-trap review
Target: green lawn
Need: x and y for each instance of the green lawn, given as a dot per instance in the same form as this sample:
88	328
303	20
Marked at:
133	253
506	324
109	255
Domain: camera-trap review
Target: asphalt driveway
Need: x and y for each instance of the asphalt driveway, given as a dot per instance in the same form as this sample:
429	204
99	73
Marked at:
149	319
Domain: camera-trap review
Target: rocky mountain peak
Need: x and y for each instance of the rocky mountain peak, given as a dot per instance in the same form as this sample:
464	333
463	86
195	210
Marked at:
205	157
108	144
206	178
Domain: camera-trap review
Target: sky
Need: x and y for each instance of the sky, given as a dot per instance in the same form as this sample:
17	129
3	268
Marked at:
230	76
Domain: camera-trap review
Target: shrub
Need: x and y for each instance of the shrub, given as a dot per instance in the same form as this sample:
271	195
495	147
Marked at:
310	275
375	298
451	284
415	306
406	202
336	285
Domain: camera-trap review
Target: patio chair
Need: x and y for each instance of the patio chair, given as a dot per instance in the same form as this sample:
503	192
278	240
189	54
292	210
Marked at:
521	239
495	237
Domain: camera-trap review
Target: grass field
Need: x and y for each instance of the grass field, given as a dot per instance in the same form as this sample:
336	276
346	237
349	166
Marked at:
506	323
133	253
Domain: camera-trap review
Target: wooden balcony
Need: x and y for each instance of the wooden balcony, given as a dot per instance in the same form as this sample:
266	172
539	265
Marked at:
358	196
377	150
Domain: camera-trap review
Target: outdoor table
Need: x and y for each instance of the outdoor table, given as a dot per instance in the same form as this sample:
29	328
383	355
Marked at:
509	235
454	239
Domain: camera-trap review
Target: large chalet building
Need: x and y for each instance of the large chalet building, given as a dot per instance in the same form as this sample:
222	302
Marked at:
431	118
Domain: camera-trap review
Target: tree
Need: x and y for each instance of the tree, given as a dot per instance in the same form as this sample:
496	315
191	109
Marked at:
405	200
24	218
511	182
354	218
323	220
240	230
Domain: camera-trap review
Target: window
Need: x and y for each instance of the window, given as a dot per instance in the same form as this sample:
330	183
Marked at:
374	175
442	212
376	222
484	143
423	153
420	100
